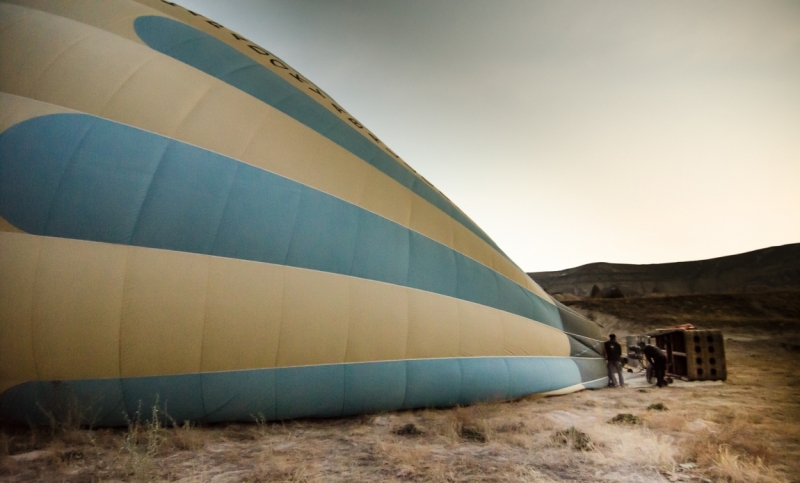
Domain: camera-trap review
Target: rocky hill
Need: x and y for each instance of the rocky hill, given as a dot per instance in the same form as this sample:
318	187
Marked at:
773	268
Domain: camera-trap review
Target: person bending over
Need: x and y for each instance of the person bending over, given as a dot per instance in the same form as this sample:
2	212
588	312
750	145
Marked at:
657	360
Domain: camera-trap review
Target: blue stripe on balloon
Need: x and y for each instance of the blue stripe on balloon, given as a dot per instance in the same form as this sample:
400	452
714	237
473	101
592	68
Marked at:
591	369
332	390
79	176
218	59
36	196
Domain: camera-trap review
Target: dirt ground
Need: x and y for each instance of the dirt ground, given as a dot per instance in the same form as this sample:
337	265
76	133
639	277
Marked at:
746	429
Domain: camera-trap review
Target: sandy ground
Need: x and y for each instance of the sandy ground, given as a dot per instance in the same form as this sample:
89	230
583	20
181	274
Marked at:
746	429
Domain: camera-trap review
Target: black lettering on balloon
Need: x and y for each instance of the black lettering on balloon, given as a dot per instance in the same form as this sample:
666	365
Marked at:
341	111
373	137
278	63
258	49
195	14
392	153
316	89
298	77
358	124
239	37
169	3
215	24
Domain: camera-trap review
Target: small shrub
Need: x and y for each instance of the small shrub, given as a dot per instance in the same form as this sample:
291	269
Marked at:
625	418
186	437
657	407
142	442
262	425
574	438
408	430
65	412
473	434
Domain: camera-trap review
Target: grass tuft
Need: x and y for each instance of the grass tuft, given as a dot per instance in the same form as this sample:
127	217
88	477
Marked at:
734	468
625	418
409	429
473	434
574	438
142	442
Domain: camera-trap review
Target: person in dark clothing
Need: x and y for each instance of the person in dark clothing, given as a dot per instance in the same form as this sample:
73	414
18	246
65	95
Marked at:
657	360
613	354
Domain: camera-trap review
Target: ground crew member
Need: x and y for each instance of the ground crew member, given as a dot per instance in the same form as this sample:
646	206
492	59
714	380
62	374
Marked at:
613	353
657	360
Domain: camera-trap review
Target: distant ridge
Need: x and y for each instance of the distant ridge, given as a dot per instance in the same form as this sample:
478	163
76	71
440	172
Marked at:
773	268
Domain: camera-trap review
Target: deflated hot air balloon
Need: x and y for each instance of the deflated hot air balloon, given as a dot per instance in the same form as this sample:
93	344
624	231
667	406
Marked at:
186	220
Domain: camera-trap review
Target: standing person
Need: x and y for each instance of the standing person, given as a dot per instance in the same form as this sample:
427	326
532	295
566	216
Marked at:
658	360
613	353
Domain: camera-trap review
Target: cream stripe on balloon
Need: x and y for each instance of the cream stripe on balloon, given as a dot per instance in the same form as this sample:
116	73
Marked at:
103	310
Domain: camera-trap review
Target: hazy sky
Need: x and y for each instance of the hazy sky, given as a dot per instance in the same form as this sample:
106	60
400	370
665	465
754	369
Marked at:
571	131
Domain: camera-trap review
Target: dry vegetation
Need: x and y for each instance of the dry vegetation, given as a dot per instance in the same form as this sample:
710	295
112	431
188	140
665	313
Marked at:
744	430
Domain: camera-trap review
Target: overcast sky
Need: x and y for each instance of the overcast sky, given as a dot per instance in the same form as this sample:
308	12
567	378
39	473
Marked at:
573	131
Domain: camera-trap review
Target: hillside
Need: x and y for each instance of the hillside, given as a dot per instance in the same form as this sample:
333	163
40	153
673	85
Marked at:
774	268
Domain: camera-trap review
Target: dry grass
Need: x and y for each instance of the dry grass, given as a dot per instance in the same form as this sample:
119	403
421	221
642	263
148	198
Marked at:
745	430
732	467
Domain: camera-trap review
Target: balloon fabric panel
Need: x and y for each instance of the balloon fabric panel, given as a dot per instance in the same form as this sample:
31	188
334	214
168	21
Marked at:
174	196
218	59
